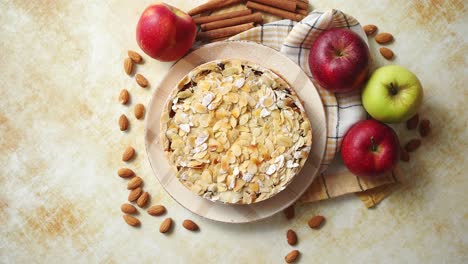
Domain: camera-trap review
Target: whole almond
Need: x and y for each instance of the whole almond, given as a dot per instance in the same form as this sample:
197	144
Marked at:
128	66
370	29
292	256
190	225
384	38
386	53
133	221
141	80
134	194
316	221
123	123
425	128
412	145
404	156
124	96
412	123
125	173
157	210
128	208
134	183
289	212
143	199
134	56
291	236
139	111
165	225
128	154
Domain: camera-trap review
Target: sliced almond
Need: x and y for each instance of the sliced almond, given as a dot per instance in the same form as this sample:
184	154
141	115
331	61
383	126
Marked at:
386	53
128	208
370	29
133	221
128	66
384	38
291	236
143	199
125	173
156	210
123	123
134	194
139	111
134	183
141	80
128	154
124	96
135	57
190	225
165	225
292	256
316	222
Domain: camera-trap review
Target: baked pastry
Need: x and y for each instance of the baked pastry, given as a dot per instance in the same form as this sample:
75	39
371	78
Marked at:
235	132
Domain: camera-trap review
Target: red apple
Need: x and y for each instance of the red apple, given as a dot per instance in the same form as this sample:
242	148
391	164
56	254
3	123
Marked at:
164	32
370	148
339	60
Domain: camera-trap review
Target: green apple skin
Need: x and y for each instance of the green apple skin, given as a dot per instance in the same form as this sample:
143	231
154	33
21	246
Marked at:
392	94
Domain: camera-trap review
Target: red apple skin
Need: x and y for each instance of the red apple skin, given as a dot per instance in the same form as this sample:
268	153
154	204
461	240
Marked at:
164	32
357	152
339	60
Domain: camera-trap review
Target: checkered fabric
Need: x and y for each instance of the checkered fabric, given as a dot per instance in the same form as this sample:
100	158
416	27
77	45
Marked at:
342	110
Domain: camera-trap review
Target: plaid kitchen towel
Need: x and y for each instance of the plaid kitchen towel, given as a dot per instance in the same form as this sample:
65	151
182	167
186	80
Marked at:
342	110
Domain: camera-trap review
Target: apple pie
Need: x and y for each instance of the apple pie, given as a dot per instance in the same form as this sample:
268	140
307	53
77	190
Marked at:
235	132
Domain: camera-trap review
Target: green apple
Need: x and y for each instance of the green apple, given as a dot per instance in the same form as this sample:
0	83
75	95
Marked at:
392	94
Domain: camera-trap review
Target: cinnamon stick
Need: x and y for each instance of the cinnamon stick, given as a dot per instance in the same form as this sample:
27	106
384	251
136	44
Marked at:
302	12
275	11
302	5
224	32
257	18
212	5
281	4
208	19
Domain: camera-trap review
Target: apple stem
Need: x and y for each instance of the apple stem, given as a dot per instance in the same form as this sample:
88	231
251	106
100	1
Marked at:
373	145
393	89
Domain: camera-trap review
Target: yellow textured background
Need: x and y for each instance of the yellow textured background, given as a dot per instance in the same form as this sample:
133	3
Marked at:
60	75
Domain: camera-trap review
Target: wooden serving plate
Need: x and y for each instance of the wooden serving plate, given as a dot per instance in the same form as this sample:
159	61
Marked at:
270	59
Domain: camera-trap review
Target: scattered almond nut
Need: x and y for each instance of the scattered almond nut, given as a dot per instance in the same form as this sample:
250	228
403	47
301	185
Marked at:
386	53
412	145
292	256
134	56
141	80
133	221
291	236
134	194
156	210
412	123
128	66
124	96
370	29
123	123
384	38
425	128
404	156
128	154
165	225
289	212
143	199
316	222
125	172
139	111
134	183
128	208
190	225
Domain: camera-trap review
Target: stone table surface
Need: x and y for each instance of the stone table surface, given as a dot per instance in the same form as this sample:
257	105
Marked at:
60	75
